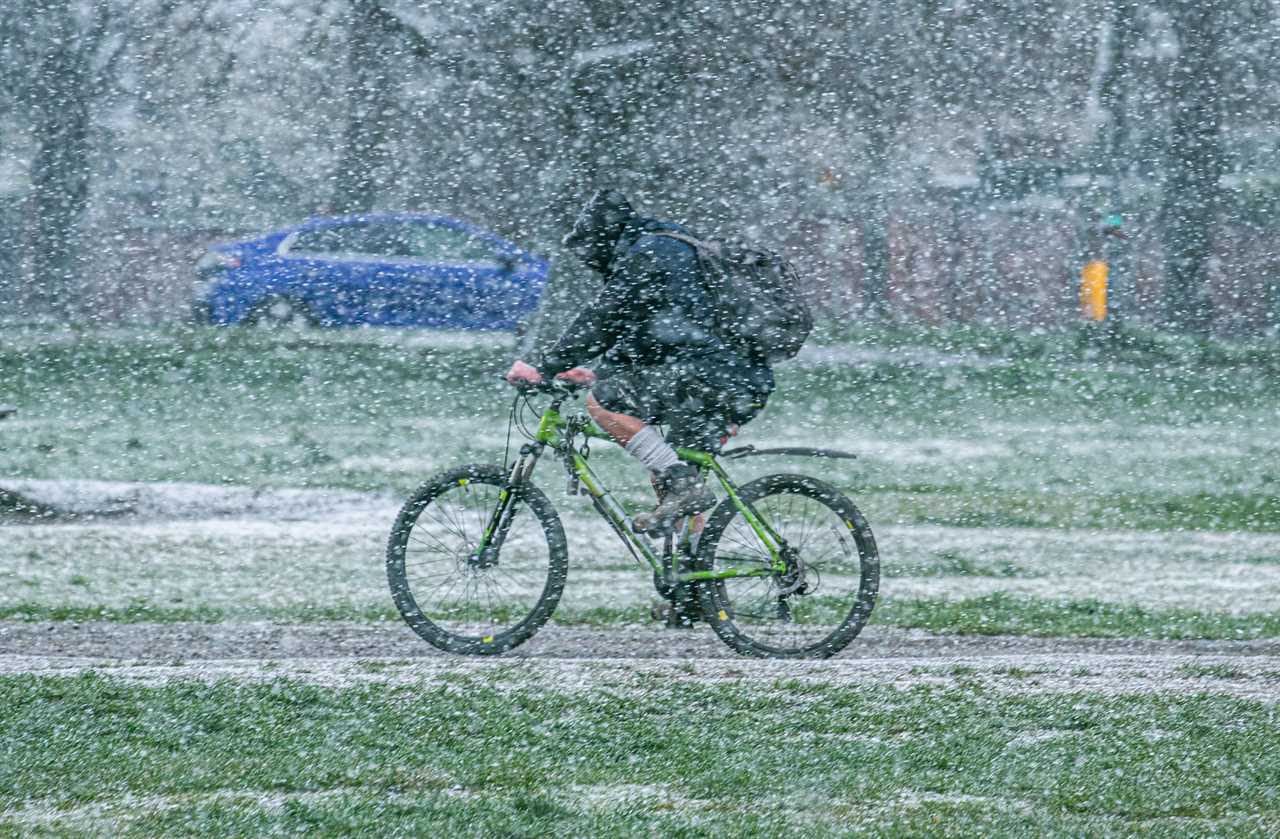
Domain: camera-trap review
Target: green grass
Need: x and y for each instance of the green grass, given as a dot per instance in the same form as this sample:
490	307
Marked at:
989	507
995	614
1128	345
379	410
1004	614
493	755
952	563
1211	671
1147	432
181	405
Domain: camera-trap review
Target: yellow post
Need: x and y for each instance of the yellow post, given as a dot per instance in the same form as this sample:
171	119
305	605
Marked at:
1093	290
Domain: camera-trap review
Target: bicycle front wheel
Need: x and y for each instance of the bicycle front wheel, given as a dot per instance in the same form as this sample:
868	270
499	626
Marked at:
820	601
458	594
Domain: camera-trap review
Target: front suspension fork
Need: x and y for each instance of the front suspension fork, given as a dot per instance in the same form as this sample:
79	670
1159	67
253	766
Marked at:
499	525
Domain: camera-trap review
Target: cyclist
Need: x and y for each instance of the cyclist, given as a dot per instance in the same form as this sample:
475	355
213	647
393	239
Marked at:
661	360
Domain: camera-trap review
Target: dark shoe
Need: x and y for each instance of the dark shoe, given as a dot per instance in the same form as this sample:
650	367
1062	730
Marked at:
672	616
683	493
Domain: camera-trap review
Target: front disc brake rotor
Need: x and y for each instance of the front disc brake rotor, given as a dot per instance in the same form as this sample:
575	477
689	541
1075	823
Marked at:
793	579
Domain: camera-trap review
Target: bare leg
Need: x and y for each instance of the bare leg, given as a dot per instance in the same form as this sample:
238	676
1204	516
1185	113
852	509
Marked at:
680	490
620	427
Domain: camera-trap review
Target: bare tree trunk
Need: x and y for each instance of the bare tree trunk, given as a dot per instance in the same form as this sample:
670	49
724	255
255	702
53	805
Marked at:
875	255
366	158
570	282
1112	153
60	171
885	94
1195	164
882	130
592	120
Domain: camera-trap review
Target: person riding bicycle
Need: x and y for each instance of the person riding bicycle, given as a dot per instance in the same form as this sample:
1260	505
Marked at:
660	360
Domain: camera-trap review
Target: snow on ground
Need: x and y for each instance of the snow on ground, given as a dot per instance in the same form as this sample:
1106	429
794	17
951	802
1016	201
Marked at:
1252	677
17	335
110	817
819	354
241	550
173	500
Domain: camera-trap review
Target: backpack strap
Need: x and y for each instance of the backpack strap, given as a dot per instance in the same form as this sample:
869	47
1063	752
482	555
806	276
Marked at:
697	244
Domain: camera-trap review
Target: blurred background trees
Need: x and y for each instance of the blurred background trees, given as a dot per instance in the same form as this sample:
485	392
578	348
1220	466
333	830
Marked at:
929	160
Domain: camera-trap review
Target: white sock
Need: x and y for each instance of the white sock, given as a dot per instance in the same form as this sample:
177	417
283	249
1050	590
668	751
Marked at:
650	449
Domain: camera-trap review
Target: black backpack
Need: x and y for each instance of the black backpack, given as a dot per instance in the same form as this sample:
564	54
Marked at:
756	295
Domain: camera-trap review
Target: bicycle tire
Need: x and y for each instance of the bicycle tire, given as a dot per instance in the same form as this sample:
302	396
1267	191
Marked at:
726	604
474	628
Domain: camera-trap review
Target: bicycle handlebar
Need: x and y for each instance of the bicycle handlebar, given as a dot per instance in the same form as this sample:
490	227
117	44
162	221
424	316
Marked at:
553	386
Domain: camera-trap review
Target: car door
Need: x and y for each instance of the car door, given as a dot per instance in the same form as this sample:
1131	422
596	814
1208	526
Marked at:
334	269
457	277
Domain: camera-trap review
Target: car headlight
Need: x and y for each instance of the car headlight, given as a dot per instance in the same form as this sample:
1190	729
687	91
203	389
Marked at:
213	261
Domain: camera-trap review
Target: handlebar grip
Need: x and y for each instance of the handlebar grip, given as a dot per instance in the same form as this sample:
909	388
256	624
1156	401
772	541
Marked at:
544	386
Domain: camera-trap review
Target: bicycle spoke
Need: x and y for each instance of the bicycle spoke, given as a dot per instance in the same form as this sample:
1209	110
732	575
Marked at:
753	545
456	524
434	516
423	563
418	533
452	582
463	507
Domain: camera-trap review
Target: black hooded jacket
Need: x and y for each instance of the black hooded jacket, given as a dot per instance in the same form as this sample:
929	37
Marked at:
652	310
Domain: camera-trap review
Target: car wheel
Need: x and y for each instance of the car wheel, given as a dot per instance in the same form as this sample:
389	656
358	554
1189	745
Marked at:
281	312
201	313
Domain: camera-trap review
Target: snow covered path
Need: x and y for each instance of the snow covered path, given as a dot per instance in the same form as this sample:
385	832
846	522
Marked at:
559	659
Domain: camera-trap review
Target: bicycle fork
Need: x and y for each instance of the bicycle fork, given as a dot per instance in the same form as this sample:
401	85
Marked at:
499	524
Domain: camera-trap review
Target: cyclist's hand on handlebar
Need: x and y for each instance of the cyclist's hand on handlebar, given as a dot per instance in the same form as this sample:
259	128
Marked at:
523	374
580	376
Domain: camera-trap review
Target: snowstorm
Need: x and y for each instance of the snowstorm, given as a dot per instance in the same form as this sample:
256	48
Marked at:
584	418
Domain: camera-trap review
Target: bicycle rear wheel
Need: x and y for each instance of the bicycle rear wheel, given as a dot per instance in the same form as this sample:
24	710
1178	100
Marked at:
823	599
462	599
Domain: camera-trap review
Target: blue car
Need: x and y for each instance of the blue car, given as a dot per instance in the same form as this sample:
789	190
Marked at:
402	269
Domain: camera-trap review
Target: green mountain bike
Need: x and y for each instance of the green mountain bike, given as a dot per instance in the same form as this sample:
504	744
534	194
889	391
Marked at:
784	566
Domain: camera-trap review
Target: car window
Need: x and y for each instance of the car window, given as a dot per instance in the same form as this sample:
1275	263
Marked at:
447	245
398	240
346	240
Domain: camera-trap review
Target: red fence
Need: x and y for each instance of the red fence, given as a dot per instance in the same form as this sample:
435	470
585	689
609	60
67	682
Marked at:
1022	270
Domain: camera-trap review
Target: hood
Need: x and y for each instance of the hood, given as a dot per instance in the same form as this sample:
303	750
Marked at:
599	224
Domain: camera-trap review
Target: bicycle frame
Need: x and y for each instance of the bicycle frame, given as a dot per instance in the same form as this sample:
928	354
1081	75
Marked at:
558	433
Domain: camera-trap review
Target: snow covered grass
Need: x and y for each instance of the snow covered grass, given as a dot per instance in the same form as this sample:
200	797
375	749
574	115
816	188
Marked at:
492	752
1248	675
221	474
959	437
318	554
1016	485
